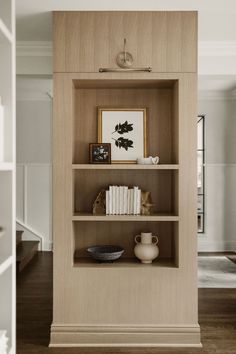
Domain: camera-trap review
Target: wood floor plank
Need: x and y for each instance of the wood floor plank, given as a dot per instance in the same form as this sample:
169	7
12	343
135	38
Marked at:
217	317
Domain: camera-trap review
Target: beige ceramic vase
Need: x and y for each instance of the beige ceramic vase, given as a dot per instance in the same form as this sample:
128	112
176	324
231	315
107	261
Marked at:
145	249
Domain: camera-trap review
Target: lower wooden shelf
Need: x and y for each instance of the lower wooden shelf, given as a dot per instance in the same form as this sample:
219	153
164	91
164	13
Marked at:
123	263
154	217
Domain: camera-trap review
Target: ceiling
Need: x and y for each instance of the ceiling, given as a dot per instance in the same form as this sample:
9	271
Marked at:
216	20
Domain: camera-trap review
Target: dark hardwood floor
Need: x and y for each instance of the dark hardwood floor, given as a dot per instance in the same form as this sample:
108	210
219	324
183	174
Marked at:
217	317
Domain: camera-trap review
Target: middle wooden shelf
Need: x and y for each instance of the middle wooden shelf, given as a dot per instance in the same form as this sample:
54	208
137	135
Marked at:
154	217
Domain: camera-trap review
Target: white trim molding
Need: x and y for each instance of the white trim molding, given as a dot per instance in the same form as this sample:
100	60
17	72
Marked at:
34	58
204	245
205	48
215	57
33	49
216	95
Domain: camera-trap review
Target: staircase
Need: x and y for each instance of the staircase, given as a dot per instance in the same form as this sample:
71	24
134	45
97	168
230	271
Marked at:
25	251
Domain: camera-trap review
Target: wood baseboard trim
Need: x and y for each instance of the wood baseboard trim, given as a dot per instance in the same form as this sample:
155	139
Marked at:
124	336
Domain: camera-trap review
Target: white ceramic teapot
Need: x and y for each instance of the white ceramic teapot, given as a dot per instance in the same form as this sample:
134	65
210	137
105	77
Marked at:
146	250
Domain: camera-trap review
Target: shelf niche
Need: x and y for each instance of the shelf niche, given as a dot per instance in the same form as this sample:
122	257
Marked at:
163	185
159	96
122	234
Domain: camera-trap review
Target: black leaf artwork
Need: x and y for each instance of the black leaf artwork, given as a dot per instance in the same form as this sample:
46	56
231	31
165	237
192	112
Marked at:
123	128
123	143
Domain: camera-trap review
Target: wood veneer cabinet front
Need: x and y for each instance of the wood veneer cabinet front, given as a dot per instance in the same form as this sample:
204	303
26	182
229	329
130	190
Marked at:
125	303
87	41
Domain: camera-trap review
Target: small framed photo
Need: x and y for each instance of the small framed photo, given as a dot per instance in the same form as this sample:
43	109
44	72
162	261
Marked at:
126	130
100	153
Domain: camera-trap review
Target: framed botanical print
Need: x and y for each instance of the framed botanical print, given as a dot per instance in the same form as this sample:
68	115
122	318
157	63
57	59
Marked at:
126	130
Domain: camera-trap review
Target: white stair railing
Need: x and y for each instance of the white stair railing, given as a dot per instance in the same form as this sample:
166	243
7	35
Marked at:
23	220
32	231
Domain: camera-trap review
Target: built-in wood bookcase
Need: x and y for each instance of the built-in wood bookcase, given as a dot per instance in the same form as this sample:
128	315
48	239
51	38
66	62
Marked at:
157	303
159	97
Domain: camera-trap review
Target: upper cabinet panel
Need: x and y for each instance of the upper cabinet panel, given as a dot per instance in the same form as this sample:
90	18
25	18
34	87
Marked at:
87	41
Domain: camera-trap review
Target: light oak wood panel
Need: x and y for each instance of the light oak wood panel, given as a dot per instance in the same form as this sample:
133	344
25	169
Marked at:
59	53
89	183
159	120
83	289
166	41
187	187
123	263
217	316
62	187
122	233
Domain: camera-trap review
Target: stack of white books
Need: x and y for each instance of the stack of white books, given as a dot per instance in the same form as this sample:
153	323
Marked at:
121	200
3	342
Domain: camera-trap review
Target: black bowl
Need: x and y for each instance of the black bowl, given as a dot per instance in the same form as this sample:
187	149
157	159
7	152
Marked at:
105	253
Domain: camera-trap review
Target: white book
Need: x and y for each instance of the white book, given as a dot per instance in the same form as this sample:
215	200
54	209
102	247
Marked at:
128	202
135	200
131	201
113	200
110	200
107	202
122	200
117	201
125	199
138	201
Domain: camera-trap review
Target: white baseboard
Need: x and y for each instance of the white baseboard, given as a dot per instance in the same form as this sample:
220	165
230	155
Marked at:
47	246
216	246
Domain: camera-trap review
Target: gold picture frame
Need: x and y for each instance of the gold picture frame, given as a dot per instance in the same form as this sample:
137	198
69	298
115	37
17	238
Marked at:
120	138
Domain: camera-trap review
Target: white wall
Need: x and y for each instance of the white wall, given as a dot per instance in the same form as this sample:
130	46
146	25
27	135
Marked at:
220	174
34	130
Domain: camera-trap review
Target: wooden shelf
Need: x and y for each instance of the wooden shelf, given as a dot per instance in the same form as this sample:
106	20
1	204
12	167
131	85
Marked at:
5	263
123	263
5	34
124	167
154	217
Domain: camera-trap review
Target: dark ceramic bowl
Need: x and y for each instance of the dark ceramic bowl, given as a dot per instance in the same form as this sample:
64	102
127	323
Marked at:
105	253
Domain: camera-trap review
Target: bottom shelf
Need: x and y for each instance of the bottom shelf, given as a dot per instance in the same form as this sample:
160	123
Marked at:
123	263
